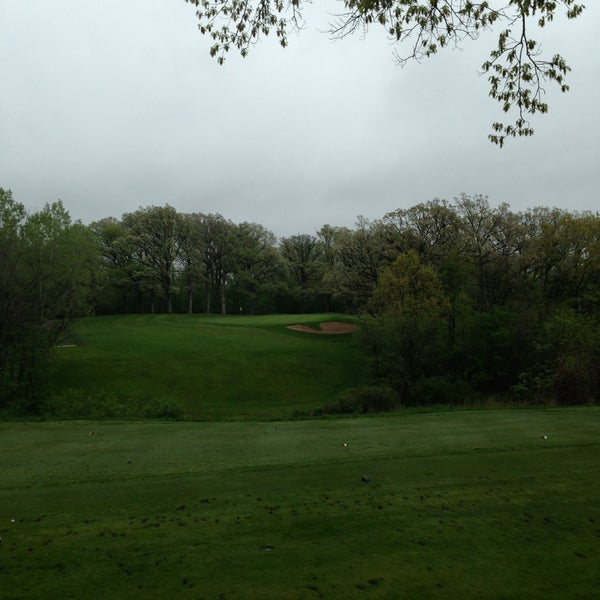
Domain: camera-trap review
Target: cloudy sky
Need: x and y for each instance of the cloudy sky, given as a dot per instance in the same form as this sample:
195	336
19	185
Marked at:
114	105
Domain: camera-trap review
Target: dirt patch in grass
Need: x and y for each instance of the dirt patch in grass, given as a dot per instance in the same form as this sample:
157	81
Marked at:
328	328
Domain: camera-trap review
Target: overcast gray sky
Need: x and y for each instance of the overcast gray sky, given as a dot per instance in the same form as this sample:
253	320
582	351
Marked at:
116	104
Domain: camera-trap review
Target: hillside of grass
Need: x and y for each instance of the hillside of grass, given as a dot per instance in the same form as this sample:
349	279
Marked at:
466	504
202	367
244	503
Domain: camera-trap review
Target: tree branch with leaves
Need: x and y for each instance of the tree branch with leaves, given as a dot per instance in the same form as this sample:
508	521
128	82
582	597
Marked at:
517	70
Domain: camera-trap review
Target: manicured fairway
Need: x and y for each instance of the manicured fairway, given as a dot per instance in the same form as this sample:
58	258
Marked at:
214	367
471	504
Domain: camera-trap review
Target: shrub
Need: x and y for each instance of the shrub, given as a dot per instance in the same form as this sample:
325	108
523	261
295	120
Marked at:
568	356
72	404
439	391
164	408
364	399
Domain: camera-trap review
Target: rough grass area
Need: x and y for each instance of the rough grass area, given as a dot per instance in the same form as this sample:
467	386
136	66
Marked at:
202	367
474	504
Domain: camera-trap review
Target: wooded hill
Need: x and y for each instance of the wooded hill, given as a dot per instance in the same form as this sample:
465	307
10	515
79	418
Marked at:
458	298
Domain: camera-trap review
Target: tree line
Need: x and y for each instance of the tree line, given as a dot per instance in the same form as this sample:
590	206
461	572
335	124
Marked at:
457	299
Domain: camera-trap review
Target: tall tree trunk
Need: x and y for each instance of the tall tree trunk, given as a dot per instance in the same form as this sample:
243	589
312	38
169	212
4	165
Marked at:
207	289
190	302
223	304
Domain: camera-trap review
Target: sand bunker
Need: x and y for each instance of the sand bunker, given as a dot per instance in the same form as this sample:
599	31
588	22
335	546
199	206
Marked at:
329	328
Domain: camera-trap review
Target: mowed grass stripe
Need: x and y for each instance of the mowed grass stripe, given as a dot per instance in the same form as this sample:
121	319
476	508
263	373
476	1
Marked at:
472	504
106	447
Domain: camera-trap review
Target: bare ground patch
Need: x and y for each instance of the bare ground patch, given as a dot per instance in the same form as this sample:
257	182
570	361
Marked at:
328	328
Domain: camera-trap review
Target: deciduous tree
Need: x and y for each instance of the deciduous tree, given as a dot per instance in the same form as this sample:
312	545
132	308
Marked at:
258	265
302	254
218	236
46	265
155	234
517	69
191	254
363	253
409	338
119	281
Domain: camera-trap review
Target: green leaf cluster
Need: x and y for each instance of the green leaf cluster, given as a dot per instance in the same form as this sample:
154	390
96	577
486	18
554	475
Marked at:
47	264
517	71
488	302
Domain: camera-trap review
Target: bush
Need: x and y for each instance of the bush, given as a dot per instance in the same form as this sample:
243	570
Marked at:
164	408
494	349
566	372
439	391
364	399
72	404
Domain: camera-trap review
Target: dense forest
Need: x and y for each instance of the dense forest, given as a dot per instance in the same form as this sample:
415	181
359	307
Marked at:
456	299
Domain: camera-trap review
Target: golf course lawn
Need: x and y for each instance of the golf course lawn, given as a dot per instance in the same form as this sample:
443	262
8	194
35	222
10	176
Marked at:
212	366
460	504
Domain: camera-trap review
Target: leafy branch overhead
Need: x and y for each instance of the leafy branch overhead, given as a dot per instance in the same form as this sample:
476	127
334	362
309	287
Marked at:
517	70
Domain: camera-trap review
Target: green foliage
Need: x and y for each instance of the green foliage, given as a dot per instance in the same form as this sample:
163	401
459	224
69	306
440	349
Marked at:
164	408
219	242
442	390
302	256
568	355
463	296
78	404
362	400
361	255
502	301
409	340
517	70
154	232
493	348
46	267
409	290
258	268
405	351
73	403
24	369
158	260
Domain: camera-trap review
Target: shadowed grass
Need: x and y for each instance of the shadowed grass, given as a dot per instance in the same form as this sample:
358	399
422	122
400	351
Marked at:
470	504
211	366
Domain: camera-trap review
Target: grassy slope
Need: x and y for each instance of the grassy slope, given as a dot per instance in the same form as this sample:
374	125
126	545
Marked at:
217	367
461	505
